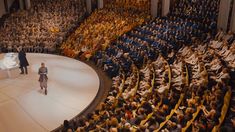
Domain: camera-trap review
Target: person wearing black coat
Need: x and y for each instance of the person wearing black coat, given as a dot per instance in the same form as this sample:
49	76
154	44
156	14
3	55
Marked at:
23	62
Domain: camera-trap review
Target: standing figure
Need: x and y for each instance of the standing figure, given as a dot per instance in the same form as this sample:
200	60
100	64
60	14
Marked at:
23	61
43	77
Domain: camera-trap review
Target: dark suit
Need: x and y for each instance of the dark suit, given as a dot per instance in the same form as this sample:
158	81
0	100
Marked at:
23	62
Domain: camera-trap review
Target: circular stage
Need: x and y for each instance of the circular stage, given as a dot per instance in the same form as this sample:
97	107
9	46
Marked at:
24	107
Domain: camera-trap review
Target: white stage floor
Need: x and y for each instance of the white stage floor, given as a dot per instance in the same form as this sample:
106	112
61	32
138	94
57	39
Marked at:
72	86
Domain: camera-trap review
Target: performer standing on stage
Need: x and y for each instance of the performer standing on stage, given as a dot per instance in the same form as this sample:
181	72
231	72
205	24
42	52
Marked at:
43	77
23	61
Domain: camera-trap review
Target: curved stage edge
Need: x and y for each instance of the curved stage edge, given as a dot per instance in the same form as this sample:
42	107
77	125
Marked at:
72	87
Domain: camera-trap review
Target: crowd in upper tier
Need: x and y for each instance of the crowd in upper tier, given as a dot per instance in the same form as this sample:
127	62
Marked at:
43	27
163	35
136	5
96	32
204	11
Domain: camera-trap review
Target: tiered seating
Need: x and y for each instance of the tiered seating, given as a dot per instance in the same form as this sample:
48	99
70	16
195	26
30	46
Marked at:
205	11
134	5
43	27
96	33
167	74
165	34
159	96
223	46
159	87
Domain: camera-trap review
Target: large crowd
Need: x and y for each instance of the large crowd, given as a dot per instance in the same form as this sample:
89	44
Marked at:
43	27
96	32
136	5
203	11
188	93
169	74
191	93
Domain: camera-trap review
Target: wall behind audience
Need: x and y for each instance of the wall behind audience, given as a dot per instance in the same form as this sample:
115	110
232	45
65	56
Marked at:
2	8
9	3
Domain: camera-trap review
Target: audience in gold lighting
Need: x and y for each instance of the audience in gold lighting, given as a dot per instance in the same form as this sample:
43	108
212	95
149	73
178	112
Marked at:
137	5
99	30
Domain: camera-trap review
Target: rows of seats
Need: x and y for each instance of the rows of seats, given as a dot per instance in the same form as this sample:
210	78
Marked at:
96	32
43	27
224	46
198	81
192	93
162	35
195	9
135	5
185	95
167	75
205	11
